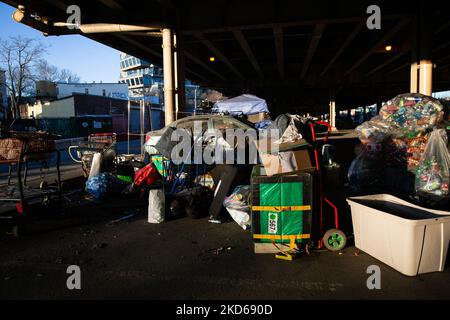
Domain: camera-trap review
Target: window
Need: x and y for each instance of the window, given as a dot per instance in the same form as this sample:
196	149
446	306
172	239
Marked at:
104	92
132	82
86	91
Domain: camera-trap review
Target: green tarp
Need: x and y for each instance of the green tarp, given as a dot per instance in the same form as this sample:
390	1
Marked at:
282	206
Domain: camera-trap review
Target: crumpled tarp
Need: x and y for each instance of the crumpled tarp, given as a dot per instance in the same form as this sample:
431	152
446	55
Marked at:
243	104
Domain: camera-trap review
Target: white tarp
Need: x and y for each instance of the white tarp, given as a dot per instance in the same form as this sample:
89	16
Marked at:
244	104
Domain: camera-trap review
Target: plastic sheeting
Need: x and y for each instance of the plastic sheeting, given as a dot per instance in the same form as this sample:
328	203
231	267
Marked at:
156	206
243	104
238	206
433	173
104	185
96	165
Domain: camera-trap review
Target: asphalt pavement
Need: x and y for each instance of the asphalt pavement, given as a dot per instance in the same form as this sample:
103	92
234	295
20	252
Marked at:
132	259
121	256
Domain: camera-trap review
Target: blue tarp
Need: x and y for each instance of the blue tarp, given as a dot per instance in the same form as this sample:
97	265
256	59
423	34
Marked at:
244	104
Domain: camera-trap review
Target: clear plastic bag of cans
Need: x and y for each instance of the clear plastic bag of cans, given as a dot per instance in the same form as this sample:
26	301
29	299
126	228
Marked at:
433	172
408	114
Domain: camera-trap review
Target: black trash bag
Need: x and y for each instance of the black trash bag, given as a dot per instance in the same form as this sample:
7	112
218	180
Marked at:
367	170
176	208
198	203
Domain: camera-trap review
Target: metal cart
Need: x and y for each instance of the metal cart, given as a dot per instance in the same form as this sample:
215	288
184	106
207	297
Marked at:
104	143
333	239
18	150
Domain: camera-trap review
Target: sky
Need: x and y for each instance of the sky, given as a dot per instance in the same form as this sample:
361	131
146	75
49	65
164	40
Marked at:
90	60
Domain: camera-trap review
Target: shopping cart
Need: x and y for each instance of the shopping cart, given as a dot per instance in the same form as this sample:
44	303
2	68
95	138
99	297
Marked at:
103	143
18	149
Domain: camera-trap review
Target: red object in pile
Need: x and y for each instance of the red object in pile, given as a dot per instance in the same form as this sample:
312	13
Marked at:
146	175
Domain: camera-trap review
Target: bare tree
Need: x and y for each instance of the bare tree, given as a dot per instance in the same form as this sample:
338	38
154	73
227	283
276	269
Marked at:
46	71
19	56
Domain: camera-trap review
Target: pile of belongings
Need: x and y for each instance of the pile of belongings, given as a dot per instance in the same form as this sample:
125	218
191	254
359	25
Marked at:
246	104
104	185
290	128
398	137
130	176
191	202
238	206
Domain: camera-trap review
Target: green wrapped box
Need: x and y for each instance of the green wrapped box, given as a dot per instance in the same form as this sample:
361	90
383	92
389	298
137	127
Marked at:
282	206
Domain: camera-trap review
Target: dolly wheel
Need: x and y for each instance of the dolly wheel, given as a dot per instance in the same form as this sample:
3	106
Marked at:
334	240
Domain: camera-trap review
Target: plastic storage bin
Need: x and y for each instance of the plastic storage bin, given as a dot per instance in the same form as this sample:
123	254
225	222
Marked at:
409	238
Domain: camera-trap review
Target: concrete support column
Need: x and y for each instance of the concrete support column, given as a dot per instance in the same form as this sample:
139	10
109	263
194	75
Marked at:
426	77
422	66
142	126
168	75
413	78
333	115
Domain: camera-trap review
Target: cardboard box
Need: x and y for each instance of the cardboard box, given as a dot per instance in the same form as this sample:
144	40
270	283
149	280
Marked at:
289	157
254	118
286	161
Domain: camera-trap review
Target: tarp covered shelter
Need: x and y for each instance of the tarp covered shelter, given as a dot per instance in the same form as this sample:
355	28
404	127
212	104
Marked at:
243	104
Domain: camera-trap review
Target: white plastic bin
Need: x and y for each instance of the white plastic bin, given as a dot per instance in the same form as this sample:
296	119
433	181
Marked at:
409	238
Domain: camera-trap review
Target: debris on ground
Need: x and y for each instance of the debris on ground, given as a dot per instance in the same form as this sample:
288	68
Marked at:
217	251
100	246
124	218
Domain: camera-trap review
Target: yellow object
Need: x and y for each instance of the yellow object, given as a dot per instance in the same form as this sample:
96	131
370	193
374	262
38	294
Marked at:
281	208
281	237
284	256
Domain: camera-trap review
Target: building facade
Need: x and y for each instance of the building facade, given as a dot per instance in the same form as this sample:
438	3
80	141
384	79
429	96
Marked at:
79	115
109	90
145	81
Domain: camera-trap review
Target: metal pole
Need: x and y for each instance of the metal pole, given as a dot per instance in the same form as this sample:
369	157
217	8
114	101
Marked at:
195	100
150	116
175	74
426	77
142	105
128	126
168	75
